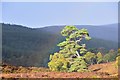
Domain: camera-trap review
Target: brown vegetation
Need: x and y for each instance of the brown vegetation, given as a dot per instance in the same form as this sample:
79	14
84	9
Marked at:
105	70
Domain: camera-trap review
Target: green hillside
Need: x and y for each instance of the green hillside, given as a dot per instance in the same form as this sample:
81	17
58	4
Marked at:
24	46
32	47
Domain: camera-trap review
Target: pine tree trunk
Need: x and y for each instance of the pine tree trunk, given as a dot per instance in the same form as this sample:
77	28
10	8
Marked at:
77	54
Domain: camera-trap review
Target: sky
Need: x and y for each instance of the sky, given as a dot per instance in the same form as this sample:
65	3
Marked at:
41	14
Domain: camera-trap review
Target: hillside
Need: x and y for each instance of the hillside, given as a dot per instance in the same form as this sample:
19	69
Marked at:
32	46
26	46
105	32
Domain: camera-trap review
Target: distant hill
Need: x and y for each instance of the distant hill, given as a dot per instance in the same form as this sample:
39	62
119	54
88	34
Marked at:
106	32
26	46
32	46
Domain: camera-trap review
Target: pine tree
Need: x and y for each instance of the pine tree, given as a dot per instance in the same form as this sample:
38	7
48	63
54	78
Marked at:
90	58
99	57
72	51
